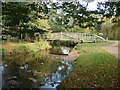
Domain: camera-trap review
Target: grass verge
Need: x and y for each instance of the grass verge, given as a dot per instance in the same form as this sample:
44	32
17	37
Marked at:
94	68
16	48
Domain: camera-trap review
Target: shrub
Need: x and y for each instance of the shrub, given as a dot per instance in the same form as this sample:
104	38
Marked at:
23	48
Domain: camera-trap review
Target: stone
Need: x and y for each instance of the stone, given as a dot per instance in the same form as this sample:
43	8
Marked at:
21	67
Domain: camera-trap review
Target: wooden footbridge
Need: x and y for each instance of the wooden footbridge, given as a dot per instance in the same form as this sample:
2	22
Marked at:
75	36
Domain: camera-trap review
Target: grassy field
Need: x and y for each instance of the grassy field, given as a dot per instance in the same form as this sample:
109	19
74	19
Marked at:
94	68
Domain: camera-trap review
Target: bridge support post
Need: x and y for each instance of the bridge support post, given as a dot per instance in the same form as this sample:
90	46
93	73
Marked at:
94	41
81	41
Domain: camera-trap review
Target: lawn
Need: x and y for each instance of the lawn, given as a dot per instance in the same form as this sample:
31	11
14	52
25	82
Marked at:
93	68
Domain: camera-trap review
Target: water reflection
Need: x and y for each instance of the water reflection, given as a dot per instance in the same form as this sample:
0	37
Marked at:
40	70
60	50
58	76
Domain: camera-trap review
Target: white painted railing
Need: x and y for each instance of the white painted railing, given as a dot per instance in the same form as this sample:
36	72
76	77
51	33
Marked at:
74	36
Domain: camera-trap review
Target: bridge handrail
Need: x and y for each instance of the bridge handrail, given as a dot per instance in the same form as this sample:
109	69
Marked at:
76	36
69	36
99	37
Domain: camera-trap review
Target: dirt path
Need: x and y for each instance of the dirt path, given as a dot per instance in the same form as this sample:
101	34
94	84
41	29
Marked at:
113	49
72	56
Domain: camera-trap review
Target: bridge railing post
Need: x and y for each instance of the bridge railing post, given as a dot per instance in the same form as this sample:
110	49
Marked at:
85	35
82	36
91	36
78	36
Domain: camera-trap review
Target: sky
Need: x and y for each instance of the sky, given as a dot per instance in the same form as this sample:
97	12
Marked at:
91	6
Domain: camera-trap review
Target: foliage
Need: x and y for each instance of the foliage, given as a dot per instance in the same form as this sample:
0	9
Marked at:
27	47
110	29
24	17
14	13
109	9
69	14
41	24
110	17
43	45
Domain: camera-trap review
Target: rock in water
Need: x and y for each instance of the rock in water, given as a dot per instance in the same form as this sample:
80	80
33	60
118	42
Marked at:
42	84
52	84
29	71
33	80
56	82
12	78
21	67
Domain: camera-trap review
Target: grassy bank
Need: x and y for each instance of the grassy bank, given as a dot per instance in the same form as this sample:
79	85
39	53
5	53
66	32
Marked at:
16	48
93	68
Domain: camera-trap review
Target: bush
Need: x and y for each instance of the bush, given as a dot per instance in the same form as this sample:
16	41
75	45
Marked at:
43	45
23	48
30	47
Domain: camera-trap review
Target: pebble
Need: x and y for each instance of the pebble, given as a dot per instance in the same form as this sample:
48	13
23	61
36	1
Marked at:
42	84
12	78
33	80
52	84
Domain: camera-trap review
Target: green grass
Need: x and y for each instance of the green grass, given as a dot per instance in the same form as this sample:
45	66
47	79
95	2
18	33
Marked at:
93	68
33	47
17	48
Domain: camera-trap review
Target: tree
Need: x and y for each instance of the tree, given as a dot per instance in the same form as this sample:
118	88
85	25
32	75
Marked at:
41	25
14	13
69	14
21	17
111	13
109	9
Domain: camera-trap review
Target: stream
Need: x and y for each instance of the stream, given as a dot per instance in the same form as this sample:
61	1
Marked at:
44	69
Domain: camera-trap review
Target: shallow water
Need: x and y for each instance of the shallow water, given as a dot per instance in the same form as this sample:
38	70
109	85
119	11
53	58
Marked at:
40	70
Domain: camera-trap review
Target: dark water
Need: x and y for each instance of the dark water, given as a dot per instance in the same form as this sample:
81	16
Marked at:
39	70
